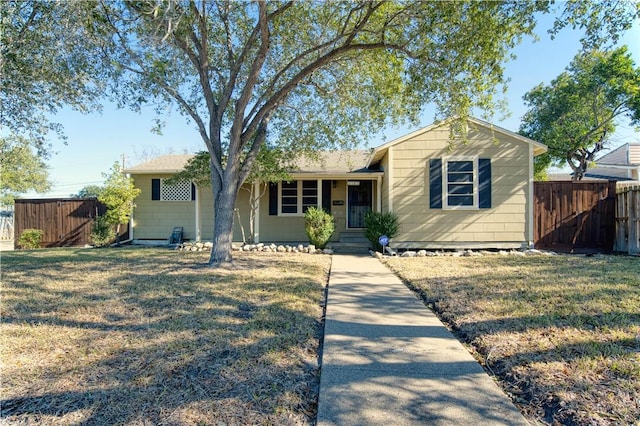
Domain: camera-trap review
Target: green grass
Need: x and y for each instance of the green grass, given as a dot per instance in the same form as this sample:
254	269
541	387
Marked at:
152	336
560	333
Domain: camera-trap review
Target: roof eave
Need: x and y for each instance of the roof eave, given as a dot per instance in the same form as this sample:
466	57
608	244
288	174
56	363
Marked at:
377	153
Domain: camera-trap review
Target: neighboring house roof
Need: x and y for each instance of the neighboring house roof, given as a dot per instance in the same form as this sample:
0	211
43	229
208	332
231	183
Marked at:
379	152
623	163
569	176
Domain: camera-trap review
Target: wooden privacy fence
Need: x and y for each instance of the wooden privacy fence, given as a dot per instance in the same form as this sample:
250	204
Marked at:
64	222
574	215
628	220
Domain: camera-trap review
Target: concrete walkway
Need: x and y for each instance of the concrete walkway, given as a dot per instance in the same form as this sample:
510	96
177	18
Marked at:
388	360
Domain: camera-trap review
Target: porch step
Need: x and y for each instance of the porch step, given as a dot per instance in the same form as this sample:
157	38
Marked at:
351	242
353	237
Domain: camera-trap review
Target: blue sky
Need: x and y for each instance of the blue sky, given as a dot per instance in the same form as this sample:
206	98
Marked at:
96	141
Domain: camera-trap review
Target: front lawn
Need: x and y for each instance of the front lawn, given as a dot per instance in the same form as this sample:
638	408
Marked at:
561	333
152	336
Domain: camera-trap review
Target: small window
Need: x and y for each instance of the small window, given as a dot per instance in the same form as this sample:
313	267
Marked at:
179	191
296	197
461	186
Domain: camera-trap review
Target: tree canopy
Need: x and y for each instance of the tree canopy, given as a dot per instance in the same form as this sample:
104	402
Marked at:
45	63
22	170
89	191
304	76
118	195
575	115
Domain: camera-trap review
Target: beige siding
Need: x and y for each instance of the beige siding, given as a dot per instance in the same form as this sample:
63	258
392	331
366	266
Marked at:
154	220
506	222
291	228
619	155
634	153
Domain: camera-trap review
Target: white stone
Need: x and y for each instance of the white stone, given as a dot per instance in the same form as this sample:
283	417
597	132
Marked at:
422	253
281	249
408	254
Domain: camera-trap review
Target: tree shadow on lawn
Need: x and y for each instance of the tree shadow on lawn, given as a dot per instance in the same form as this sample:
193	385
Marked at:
568	349
178	349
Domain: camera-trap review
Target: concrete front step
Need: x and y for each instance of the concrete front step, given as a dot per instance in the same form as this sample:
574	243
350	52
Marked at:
350	247
353	237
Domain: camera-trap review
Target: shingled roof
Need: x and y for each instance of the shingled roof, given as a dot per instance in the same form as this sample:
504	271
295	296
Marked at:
328	162
162	164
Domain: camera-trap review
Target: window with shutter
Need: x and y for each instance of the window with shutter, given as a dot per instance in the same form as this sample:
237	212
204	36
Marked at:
460	183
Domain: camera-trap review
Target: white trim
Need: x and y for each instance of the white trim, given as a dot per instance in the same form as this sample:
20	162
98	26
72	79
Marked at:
445	182
256	218
379	194
299	196
530	207
198	224
390	178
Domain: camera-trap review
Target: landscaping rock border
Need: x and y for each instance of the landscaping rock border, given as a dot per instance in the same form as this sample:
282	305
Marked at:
260	247
465	253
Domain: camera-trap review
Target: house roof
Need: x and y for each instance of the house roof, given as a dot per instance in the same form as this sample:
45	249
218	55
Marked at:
379	152
162	164
331	163
326	163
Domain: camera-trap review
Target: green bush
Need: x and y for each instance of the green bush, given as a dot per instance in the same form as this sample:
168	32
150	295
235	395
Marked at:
30	239
378	224
319	226
103	233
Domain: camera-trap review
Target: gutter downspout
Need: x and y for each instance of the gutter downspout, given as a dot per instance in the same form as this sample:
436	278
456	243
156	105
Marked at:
530	207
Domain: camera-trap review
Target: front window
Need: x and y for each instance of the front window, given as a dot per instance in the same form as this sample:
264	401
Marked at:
461	184
297	196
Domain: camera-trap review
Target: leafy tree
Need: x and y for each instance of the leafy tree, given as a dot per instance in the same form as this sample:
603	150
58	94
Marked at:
576	114
22	169
45	63
308	75
118	195
271	166
89	191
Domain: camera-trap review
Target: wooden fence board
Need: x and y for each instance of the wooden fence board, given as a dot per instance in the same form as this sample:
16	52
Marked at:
574	215
628	220
64	222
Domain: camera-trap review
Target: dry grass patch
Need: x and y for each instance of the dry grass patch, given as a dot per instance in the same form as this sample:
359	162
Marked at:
561	333
152	336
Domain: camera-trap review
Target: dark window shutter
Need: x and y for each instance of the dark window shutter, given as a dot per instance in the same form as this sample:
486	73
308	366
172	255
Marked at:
155	189
273	199
326	196
484	183
435	183
193	192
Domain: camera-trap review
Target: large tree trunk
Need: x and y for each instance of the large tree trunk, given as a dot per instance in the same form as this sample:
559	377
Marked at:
223	226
